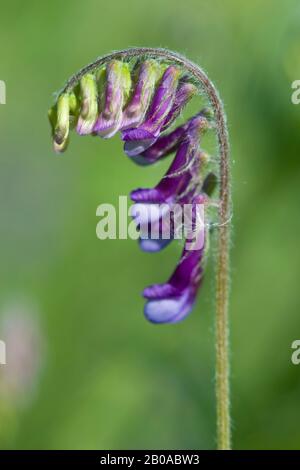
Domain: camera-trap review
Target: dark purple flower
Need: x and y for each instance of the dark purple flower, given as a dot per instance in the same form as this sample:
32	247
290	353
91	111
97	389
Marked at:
117	89
184	93
168	143
164	146
89	105
137	139
174	300
59	116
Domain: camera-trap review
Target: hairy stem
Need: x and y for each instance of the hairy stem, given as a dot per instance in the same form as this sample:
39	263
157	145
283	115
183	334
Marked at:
222	269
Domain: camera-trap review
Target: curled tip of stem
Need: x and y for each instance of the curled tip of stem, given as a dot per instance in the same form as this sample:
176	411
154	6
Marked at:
222	268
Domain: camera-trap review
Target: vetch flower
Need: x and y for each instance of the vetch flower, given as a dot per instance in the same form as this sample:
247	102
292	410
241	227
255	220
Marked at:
89	105
164	146
62	117
142	100
184	94
168	143
173	301
132	101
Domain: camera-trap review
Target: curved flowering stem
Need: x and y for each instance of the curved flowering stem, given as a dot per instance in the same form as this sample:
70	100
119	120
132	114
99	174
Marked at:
152	147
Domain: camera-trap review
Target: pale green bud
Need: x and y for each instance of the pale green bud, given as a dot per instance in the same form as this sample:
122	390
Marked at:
89	104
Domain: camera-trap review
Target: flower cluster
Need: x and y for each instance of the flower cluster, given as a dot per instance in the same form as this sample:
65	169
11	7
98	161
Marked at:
142	101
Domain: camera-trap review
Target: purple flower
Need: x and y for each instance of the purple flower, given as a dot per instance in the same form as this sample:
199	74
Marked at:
181	170
118	84
137	139
174	300
168	143
164	146
89	106
142	102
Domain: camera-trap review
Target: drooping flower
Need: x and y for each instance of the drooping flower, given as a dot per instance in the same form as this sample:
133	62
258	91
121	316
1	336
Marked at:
164	146
137	139
173	301
25	349
148	74
168	143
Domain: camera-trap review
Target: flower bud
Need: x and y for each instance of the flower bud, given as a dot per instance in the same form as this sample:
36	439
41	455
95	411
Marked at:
61	128
117	89
138	139
89	105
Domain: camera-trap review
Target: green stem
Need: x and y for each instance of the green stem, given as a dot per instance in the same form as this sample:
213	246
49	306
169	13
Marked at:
222	271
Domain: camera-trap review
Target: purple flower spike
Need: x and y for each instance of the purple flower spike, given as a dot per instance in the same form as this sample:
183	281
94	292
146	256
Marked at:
173	301
134	113
118	83
138	139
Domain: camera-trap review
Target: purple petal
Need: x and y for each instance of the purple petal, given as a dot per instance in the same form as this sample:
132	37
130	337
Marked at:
137	140
183	95
163	146
151	245
153	207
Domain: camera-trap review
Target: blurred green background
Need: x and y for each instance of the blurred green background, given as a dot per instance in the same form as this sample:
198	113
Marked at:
92	372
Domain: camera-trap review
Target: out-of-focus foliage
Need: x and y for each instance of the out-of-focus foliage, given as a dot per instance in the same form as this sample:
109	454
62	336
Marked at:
109	379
